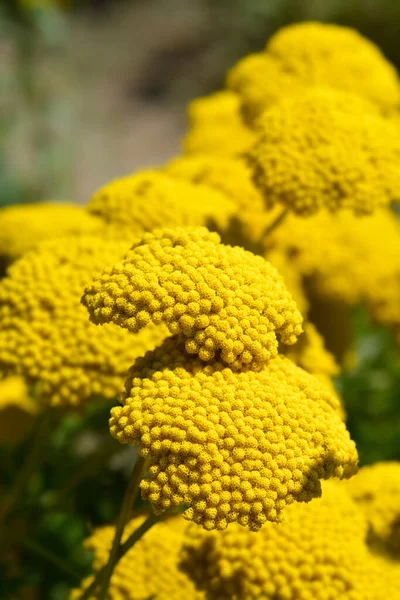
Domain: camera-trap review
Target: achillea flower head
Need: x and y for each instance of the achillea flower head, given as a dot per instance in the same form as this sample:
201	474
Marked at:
345	258
319	552
232	176
376	490
150	569
23	226
17	410
45	333
231	446
326	149
216	126
307	55
223	300
150	199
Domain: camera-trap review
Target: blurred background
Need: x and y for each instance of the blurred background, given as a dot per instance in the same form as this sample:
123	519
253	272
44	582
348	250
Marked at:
93	89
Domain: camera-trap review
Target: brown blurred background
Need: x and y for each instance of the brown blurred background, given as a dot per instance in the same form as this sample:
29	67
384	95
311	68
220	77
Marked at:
94	90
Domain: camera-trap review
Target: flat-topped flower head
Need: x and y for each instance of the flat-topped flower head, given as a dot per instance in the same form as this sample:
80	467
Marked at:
232	176
148	570
326	149
319	552
45	332
230	446
223	300
307	55
150	199
216	126
23	226
17	410
376	489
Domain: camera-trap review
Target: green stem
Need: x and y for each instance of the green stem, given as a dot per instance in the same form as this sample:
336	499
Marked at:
129	499
34	457
122	550
51	558
270	228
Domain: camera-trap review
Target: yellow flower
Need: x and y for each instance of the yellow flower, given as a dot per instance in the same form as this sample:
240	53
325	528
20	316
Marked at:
150	569
310	353
150	199
376	489
230	446
306	55
45	333
223	300
23	226
326	149
17	410
318	553
345	258
216	126
233	177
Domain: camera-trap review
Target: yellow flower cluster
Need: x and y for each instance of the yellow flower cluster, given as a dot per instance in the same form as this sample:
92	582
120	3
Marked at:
213	120
150	199
231	446
150	569
376	489
45	333
231	176
326	149
307	55
17	410
319	553
345	258
23	226
224	300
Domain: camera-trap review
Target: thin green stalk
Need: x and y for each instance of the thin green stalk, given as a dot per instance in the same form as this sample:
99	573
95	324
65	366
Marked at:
122	550
129	499
270	228
34	458
57	562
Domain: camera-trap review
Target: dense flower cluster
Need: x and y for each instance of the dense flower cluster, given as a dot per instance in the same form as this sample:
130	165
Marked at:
23	226
213	120
376	489
151	199
307	55
224	300
231	446
319	552
326	149
150	569
344	258
45	334
231	176
17	410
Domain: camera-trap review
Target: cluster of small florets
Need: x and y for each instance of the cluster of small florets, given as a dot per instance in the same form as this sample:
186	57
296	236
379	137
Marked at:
308	55
231	446
213	120
320	551
150	199
23	226
17	409
224	300
45	334
326	149
376	489
149	570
